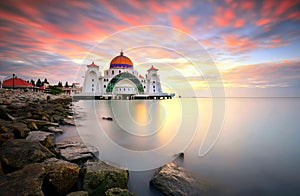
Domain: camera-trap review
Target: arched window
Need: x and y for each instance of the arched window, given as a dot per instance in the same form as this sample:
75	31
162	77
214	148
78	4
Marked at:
119	71
112	72
153	86
144	86
104	86
92	80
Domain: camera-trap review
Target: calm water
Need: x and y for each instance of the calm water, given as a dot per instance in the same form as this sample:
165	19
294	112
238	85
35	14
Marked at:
257	153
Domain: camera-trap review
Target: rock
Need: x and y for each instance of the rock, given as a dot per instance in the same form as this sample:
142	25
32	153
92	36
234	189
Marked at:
1	172
56	118
54	130
78	193
98	177
5	116
27	181
107	118
19	129
45	138
32	126
76	152
6	136
67	121
61	176
42	123
15	154
118	192
172	179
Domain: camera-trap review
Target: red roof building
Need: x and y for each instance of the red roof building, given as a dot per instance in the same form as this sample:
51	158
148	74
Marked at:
152	68
16	83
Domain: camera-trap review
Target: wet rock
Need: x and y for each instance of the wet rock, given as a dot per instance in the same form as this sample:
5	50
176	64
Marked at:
78	193
76	152
172	179
1	172
6	136
54	130
56	118
15	154
5	116
118	192
45	138
42	123
61	176
67	121
20	130
32	126
99	177
27	181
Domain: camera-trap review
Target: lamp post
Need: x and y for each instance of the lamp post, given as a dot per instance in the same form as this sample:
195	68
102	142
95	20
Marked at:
13	81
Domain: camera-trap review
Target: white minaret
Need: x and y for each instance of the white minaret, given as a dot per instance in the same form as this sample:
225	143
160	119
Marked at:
92	80
153	82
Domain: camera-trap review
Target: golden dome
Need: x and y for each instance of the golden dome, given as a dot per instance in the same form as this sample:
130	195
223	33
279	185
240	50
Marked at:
121	62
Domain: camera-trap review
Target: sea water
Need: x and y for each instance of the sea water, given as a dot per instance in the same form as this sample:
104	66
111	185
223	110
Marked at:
257	150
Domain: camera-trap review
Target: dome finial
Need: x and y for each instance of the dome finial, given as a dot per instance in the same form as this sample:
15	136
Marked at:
121	53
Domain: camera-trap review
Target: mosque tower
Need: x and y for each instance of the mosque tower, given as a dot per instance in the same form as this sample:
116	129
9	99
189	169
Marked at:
92	80
153	81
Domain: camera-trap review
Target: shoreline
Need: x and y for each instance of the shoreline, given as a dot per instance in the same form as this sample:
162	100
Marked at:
30	122
29	125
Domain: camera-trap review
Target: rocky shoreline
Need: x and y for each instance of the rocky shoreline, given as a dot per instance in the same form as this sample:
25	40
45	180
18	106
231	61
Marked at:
33	163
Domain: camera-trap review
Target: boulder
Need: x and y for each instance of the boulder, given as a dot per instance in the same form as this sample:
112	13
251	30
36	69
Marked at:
27	181
78	193
5	116
19	129
42	123
76	152
172	179
55	130
45	138
1	172
6	136
61	176
118	192
67	121
32	126
98	177
15	154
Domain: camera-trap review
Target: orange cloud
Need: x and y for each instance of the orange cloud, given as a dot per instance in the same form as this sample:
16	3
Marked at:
263	21
178	23
227	17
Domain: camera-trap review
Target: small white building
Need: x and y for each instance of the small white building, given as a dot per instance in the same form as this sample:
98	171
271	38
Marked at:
121	81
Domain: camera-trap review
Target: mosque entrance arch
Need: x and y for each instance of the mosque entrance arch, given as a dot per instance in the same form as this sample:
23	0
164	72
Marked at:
125	75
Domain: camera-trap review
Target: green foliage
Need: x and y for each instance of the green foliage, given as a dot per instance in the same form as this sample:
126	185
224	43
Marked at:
54	90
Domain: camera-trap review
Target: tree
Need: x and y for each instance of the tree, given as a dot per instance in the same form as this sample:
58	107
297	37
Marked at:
54	90
45	81
38	83
66	85
59	84
32	82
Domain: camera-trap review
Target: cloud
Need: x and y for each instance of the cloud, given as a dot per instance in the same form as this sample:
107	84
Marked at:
271	74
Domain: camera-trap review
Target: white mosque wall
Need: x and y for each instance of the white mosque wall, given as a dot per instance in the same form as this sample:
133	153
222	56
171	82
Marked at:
92	81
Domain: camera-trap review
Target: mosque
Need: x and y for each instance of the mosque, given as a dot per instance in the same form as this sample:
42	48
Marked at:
121	81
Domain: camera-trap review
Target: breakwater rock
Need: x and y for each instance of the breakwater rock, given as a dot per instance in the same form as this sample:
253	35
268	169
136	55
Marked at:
172	179
32	163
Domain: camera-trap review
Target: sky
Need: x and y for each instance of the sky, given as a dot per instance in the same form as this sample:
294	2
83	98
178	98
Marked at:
251	48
